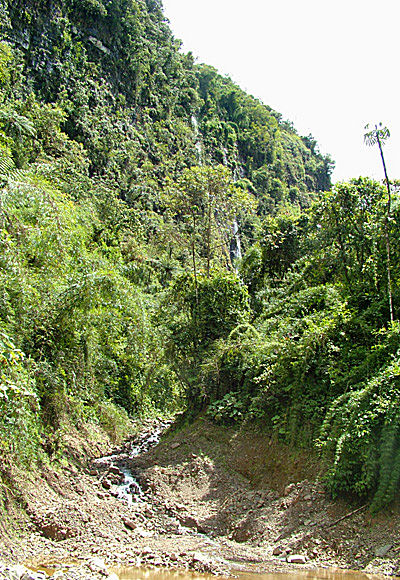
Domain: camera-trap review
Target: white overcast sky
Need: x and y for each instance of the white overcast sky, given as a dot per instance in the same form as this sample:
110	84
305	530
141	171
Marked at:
330	67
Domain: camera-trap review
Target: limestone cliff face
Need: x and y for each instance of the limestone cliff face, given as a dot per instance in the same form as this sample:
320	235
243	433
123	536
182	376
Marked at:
117	72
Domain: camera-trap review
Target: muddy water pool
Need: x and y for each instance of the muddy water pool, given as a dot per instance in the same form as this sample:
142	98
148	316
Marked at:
321	574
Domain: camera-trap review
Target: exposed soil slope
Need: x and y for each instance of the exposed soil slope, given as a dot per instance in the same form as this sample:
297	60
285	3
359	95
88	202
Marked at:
214	499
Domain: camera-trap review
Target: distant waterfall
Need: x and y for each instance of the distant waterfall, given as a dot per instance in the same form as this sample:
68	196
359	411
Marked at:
225	156
235	250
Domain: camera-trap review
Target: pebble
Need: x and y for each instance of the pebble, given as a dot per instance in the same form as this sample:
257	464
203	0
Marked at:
130	524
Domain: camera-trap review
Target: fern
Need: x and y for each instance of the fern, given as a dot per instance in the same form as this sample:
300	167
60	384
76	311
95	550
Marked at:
8	170
6	164
15	124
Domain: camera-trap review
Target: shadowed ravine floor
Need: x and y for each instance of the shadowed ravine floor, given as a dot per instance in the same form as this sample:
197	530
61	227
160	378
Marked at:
204	498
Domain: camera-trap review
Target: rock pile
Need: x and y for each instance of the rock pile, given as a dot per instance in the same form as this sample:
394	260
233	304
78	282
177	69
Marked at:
19	572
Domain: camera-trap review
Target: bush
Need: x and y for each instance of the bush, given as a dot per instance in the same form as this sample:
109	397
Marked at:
229	409
19	407
361	434
113	420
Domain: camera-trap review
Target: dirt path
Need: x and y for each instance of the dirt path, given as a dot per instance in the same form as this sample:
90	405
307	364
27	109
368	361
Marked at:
213	500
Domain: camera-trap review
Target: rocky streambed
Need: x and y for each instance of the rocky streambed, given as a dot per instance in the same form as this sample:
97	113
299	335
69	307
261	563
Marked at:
204	498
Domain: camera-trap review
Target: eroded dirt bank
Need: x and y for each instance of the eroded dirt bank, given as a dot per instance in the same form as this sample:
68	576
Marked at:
213	500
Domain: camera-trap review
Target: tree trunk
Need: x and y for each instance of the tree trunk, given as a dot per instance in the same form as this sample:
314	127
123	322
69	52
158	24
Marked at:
209	217
387	238
194	261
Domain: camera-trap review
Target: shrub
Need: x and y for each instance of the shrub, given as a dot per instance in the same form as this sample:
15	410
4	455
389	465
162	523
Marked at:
19	407
361	432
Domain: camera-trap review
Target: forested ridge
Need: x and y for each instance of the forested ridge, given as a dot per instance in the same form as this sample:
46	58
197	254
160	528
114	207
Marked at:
169	243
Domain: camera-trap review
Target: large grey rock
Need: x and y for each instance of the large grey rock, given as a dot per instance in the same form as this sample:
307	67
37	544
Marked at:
15	572
381	551
97	565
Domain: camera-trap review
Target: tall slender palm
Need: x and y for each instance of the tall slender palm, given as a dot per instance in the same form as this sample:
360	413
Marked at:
378	136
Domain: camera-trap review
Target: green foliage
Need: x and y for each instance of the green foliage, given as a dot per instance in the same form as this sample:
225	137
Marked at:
228	410
124	168
114	420
220	305
205	203
348	236
318	353
255	143
19	405
200	316
362	430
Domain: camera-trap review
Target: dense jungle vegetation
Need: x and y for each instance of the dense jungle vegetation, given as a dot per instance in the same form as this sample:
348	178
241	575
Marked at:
169	242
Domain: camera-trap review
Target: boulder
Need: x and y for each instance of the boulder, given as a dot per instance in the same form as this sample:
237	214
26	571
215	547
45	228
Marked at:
296	559
289	488
97	565
381	551
189	521
130	524
115	470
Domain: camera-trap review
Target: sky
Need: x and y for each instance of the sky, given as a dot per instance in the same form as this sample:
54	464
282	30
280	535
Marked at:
330	67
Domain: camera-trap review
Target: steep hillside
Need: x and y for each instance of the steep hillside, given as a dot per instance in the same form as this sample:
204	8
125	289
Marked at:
166	243
100	117
134	101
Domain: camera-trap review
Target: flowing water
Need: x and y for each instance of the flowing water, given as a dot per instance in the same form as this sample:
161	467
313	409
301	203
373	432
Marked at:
198	145
129	490
235	247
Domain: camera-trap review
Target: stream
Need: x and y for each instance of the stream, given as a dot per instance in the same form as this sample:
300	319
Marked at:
129	490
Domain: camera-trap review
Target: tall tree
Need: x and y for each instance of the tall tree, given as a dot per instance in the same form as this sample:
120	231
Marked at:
378	136
205	203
